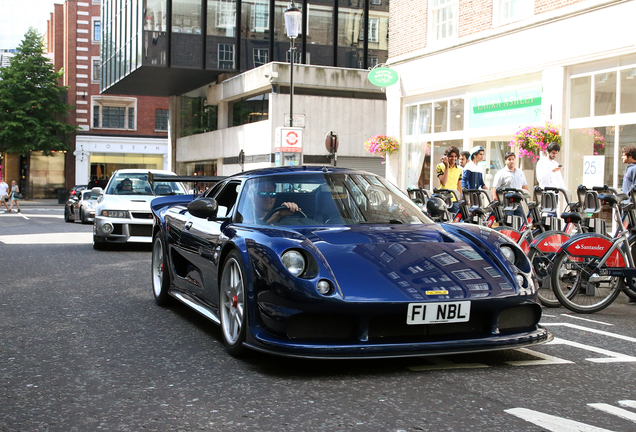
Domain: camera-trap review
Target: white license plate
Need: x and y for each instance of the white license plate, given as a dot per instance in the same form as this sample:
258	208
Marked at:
433	313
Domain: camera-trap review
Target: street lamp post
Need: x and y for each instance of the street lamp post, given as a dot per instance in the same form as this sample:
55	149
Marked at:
293	18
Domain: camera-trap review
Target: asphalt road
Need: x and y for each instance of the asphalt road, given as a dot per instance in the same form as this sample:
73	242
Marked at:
84	347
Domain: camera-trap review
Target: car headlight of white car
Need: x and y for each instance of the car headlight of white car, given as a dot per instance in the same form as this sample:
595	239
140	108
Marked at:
115	213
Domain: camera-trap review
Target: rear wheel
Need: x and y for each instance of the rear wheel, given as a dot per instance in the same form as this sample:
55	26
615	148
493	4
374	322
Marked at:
232	304
542	264
98	244
67	215
160	273
580	289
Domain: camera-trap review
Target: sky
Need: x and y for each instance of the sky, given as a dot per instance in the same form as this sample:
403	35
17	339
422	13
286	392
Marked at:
16	16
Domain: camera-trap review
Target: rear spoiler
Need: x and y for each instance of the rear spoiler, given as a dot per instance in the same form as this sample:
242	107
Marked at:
152	178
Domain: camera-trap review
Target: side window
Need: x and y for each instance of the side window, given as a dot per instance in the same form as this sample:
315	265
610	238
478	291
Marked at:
226	199
214	190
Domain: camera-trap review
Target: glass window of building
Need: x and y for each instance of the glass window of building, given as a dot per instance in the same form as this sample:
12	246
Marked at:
226	56
196	117
221	17
605	93
155	41
250	110
628	90
350	44
96	69
114	113
444	18
580	102
319	32
261	56
440	116
457	114
97	30
161	119
186	49
513	10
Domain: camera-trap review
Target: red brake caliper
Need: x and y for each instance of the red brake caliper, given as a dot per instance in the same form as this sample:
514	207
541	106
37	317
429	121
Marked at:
234	301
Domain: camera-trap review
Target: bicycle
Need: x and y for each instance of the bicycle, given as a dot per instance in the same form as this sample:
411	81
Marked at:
590	270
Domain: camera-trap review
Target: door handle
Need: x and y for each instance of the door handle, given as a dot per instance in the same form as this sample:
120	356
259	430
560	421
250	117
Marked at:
188	225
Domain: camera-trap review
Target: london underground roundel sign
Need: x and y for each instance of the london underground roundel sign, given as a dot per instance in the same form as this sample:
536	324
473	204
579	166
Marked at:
383	77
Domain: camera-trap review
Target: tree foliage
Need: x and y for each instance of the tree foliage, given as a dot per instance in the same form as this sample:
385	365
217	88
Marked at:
32	102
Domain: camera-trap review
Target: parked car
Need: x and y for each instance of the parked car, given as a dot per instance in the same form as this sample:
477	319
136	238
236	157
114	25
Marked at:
81	207
336	263
73	193
122	213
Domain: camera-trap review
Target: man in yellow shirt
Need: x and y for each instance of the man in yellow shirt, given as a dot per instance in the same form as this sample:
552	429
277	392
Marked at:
449	174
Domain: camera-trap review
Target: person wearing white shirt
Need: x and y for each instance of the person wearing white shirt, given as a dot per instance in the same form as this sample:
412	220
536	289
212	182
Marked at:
549	170
509	176
3	194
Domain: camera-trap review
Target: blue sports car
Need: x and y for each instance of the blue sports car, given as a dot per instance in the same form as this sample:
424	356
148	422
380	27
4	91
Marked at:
324	262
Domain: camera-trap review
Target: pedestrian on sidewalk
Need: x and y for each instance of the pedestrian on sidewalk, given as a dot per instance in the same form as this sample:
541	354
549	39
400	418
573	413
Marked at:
3	194
14	199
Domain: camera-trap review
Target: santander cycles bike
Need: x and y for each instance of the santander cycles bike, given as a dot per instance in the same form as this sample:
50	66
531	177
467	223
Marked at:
590	270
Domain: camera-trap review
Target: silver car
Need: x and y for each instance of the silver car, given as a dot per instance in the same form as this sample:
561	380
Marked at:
122	213
81	207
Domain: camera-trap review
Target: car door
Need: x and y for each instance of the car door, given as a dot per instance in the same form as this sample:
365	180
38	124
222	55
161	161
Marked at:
201	242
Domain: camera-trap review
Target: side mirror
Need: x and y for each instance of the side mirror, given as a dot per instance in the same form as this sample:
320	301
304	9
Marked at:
97	191
205	208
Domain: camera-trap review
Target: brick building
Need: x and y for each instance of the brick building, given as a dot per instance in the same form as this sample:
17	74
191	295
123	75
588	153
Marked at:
474	72
115	131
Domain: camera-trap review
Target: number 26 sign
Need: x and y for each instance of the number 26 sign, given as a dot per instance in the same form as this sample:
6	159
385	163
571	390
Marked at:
593	171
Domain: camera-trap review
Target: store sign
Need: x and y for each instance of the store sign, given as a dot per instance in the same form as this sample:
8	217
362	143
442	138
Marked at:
515	107
383	77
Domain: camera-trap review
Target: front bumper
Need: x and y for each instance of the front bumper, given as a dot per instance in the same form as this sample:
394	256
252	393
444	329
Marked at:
124	230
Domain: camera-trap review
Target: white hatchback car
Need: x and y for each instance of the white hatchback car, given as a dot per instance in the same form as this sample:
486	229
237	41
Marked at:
122	213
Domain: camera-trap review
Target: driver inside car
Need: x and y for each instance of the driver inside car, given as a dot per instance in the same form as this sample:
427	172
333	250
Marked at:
264	203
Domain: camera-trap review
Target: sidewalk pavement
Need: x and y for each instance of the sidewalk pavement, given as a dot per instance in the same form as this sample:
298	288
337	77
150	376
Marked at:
39	203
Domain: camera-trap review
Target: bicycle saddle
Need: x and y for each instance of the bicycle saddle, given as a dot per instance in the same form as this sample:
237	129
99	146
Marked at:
477	211
611	199
571	217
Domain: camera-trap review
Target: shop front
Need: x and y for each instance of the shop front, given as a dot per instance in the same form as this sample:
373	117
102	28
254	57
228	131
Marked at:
465	120
97	157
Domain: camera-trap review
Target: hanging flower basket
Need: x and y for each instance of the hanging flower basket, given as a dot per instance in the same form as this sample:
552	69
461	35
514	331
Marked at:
382	145
532	140
599	142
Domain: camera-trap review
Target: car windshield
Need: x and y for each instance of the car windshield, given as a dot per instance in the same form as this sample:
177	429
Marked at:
327	199
87	195
137	184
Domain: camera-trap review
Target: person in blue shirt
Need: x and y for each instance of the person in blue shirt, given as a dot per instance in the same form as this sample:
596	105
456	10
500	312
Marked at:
472	177
629	157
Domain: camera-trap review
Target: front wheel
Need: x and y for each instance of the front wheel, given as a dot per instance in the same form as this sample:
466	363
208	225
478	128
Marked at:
67	216
579	288
542	265
160	273
232	304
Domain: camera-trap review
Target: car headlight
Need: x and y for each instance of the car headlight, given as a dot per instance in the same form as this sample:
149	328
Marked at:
508	252
115	213
294	262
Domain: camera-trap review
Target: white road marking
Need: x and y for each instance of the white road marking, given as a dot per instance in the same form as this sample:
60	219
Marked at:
627	403
612	357
50	238
553	423
546	359
619	412
586	319
591	330
31	216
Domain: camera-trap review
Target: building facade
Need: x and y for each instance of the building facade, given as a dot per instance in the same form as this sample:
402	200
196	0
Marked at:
115	131
474	73
224	65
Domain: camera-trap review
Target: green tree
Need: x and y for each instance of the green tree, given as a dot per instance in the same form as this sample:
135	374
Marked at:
32	102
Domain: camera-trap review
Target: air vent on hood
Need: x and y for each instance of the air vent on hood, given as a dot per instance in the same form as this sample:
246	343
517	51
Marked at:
447	239
143	201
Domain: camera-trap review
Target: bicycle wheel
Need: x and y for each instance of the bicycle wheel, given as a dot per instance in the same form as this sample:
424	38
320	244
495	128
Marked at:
580	290
542	265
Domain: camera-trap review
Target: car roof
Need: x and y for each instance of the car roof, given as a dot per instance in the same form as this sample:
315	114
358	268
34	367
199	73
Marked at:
142	171
299	170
